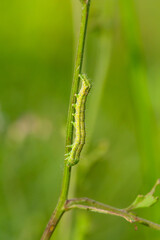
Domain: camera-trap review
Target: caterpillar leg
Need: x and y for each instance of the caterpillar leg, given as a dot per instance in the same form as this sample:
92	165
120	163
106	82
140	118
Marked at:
69	146
74	124
74	105
76	95
67	154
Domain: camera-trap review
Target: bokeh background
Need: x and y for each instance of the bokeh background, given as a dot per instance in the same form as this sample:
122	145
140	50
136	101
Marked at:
38	42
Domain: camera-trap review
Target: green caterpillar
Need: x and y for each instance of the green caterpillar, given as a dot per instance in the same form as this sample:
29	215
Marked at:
79	124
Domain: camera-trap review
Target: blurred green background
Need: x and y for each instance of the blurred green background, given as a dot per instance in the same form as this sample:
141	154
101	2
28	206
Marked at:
121	158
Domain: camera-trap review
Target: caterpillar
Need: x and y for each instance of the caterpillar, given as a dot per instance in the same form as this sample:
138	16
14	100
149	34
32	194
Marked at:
79	123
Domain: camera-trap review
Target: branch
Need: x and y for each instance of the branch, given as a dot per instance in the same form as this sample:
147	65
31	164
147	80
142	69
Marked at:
94	206
59	210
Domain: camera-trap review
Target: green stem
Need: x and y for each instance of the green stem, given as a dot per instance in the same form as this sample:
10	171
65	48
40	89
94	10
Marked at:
94	206
59	210
77	71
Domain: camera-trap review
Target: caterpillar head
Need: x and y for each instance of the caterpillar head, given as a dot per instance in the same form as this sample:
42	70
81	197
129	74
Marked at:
85	82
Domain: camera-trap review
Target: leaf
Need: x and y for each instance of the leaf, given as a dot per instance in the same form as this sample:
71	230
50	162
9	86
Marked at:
143	201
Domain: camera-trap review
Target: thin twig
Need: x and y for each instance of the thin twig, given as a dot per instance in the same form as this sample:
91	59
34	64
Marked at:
94	206
59	210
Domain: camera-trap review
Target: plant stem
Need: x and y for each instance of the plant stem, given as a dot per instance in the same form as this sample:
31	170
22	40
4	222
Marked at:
58	212
77	70
94	206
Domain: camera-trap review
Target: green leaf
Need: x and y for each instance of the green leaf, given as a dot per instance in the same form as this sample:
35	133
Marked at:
143	201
